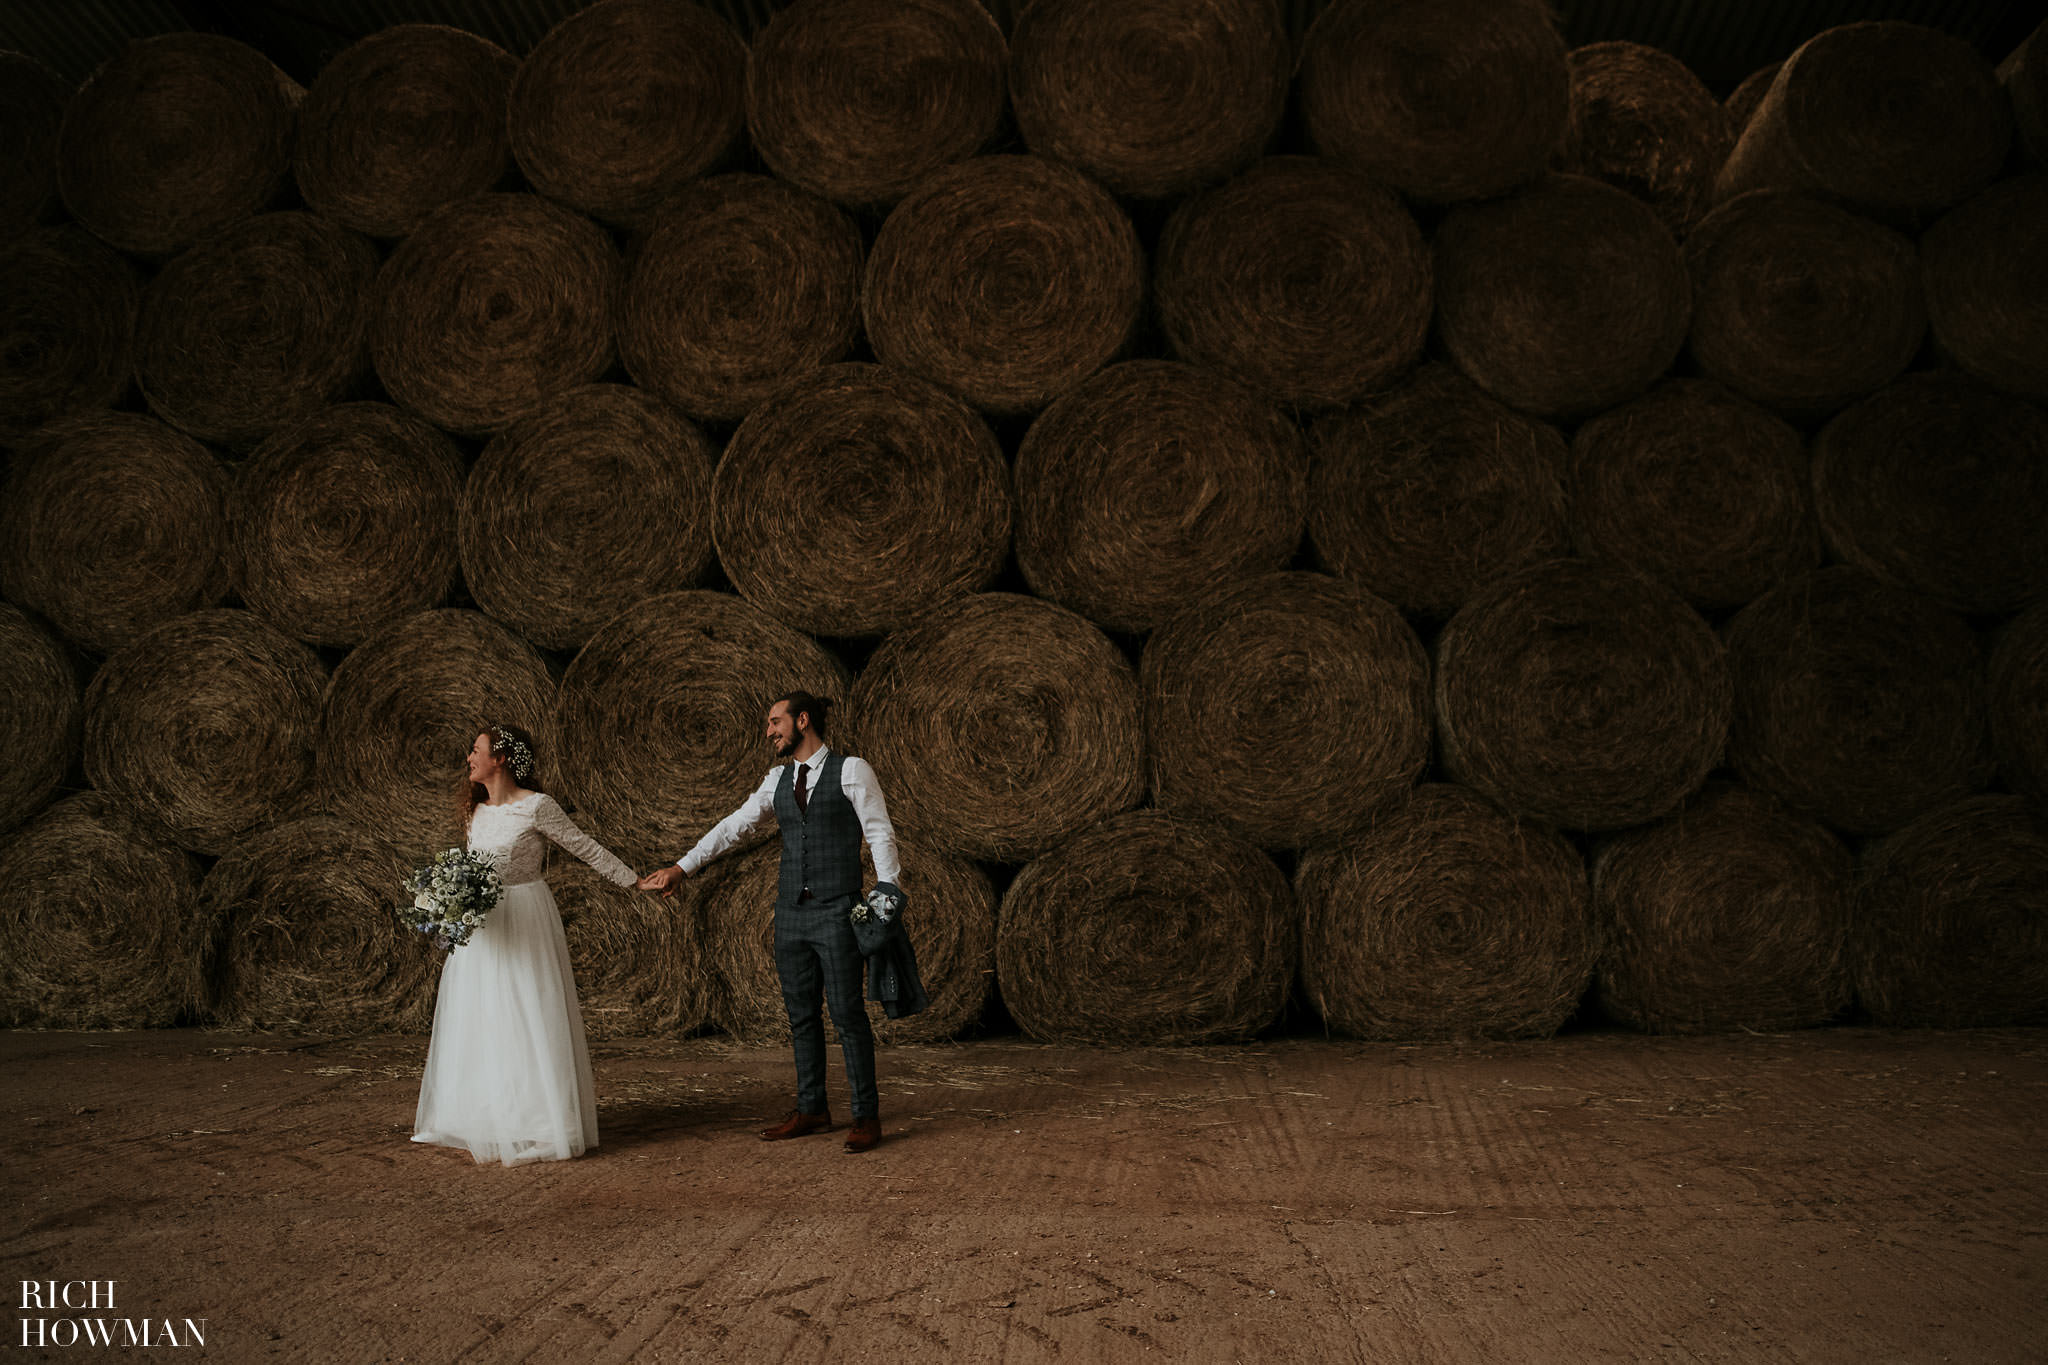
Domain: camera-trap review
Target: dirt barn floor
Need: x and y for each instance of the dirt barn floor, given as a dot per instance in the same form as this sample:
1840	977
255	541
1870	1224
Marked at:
1838	1195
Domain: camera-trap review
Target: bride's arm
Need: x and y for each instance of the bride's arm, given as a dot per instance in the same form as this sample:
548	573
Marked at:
550	819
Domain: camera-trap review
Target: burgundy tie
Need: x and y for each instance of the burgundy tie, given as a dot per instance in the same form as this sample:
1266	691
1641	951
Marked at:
803	799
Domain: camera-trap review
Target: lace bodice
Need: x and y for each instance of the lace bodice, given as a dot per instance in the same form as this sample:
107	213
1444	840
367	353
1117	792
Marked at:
514	836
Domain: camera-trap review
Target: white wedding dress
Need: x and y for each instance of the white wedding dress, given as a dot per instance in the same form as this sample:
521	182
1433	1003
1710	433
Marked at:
508	1072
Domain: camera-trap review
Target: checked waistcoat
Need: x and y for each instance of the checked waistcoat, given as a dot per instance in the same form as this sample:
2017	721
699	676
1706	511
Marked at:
820	842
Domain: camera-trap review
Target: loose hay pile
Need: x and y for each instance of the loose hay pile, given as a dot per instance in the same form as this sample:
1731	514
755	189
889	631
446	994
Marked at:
176	137
1728	915
110	525
1008	279
342	523
951	920
1305	280
1431	489
1151	97
403	709
1003	726
1152	482
1563	299
1581	694
1697	488
624	101
660	718
1149	928
1447	918
858	100
742	284
67	326
1643	122
1291	708
100	925
1951	923
859	499
593	501
256	327
39	727
402	122
312	942
1856	702
206	726
492	304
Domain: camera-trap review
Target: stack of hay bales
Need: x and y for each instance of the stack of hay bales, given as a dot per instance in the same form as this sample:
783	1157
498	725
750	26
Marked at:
1667	635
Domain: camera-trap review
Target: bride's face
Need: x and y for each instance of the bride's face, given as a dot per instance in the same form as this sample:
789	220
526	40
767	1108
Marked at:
482	762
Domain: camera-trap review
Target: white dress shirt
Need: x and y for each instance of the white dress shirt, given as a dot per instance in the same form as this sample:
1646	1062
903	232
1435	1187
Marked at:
856	779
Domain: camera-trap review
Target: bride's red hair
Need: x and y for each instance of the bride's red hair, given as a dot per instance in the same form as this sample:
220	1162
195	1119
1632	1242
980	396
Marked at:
508	742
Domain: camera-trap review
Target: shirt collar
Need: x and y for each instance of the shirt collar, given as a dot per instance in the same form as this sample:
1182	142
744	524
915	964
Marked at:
817	760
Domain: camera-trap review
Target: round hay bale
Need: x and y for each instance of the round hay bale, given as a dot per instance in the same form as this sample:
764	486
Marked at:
1447	919
313	943
951	919
1563	299
1698	488
860	499
743	283
660	716
2024	74
1799	305
1001	726
206	726
403	708
2016	701
1007	279
100	925
1290	708
1442	99
174	138
39	728
256	327
493	304
342	523
1951	927
1985	266
1152	482
112	524
1643	122
1581	694
1894	120
67	328
1855	702
858	100
549	544
1939	485
1148	929
1744	98
1151	97
1300	278
640	962
1729	915
624	101
32	100
402	122
1427	491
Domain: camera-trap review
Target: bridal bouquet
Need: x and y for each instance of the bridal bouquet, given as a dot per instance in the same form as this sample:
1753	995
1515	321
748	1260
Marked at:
451	895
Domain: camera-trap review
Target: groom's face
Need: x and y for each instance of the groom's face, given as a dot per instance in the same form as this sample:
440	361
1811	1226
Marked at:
782	732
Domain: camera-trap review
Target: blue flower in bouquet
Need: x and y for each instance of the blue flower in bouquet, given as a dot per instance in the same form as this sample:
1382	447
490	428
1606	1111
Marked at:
451	896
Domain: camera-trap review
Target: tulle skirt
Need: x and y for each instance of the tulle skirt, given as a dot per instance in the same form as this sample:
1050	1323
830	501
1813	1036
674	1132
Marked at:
508	1072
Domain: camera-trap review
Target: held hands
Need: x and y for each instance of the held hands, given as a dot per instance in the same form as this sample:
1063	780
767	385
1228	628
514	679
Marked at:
664	880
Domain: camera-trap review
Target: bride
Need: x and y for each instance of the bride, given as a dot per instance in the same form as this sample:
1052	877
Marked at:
508	1074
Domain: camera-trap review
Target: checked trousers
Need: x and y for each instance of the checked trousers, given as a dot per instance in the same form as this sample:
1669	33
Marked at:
815	954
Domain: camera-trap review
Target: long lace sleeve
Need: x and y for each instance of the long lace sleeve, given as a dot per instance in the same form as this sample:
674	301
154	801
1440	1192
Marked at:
550	819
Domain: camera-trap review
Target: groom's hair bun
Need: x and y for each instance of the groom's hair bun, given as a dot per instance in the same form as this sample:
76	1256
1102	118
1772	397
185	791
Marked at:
804	703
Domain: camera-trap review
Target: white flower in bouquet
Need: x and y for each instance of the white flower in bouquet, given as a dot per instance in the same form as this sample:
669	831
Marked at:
451	896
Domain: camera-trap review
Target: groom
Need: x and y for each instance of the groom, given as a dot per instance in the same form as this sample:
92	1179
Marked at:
825	803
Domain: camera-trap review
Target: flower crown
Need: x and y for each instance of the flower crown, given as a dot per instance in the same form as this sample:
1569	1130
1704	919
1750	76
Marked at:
517	756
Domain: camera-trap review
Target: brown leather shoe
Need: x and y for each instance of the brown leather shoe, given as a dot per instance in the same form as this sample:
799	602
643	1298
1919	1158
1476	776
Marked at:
798	1124
864	1134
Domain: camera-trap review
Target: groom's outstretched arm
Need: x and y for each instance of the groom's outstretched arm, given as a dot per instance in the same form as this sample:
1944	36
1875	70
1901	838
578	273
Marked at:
858	781
754	814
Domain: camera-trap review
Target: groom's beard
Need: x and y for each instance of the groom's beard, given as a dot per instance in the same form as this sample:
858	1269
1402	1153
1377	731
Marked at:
784	748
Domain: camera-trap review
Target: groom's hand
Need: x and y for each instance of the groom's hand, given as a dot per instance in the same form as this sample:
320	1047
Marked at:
663	881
